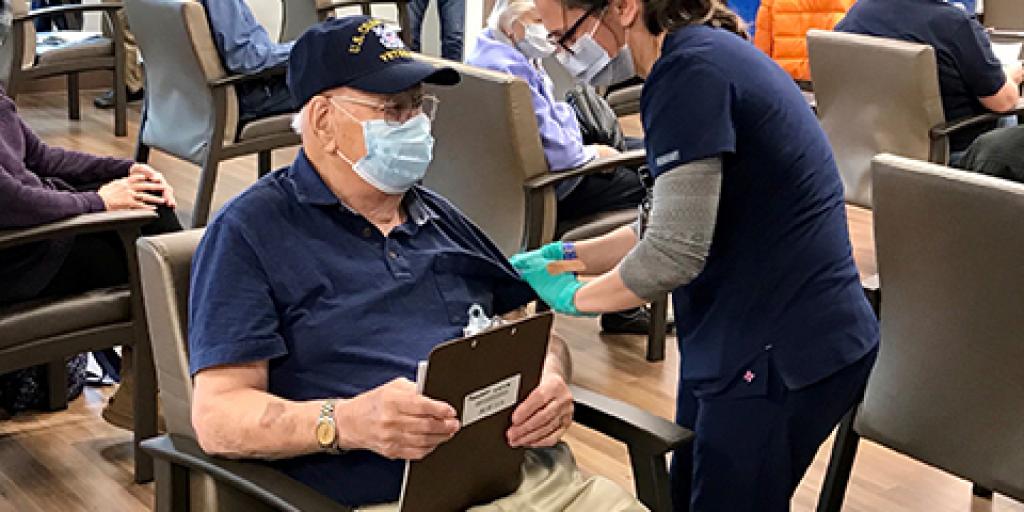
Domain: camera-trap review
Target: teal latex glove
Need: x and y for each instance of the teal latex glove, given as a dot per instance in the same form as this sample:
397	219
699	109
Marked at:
558	291
537	258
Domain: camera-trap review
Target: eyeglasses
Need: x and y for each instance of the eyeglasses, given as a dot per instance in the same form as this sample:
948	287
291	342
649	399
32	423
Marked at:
570	35
397	113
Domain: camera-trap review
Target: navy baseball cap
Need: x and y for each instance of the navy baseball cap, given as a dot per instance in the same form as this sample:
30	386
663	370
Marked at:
359	52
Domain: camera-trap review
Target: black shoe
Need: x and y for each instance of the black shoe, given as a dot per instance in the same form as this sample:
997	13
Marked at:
105	101
634	321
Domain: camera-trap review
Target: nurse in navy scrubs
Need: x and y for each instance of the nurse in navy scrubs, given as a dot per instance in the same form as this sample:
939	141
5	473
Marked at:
748	231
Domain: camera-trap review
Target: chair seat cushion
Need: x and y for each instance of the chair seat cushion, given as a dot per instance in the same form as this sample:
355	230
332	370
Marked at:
594	225
32	320
273	125
90	48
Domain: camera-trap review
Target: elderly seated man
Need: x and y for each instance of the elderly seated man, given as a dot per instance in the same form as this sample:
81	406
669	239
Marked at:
316	292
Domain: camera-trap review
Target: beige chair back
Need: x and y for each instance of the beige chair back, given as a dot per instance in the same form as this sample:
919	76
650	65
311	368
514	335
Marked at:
165	262
181	59
948	388
1004	14
487	147
874	95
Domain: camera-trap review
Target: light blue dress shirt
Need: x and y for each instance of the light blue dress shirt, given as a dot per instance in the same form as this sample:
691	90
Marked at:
559	130
243	44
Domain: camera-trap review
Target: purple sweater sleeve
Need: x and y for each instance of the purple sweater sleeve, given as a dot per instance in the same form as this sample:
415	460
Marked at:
25	206
73	167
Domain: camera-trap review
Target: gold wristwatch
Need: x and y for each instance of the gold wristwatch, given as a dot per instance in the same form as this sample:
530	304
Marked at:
327	429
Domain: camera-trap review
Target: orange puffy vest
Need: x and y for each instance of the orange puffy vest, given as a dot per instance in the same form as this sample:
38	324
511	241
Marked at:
782	27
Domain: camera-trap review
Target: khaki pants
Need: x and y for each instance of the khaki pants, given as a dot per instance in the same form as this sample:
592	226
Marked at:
551	483
132	68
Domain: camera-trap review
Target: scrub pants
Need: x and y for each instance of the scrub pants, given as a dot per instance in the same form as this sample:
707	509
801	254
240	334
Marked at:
755	440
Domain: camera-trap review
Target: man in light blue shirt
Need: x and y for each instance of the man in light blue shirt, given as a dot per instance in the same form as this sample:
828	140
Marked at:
246	48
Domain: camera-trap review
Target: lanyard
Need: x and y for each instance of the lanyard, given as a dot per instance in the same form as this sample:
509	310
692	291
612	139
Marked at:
647	181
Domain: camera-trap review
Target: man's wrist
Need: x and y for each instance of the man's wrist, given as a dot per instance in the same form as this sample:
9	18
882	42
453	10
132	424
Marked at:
344	441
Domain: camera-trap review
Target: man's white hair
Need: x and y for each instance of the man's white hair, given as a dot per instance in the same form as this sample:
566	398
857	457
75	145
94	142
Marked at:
506	13
297	119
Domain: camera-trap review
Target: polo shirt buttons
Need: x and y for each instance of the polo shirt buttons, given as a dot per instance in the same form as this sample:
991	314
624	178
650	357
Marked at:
768	346
367	232
392	254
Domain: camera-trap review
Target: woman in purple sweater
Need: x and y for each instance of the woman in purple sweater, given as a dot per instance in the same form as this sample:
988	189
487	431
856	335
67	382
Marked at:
41	184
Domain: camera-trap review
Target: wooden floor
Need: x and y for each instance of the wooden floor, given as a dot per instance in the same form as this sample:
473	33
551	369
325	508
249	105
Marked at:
73	461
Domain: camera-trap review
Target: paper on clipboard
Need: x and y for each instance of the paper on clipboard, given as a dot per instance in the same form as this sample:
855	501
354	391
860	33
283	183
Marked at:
483	377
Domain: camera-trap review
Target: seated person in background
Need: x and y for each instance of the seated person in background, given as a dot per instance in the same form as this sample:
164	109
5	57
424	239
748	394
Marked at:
41	184
782	27
998	153
245	48
971	79
514	42
316	292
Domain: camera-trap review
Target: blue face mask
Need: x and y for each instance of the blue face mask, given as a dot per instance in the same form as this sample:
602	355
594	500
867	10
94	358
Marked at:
397	156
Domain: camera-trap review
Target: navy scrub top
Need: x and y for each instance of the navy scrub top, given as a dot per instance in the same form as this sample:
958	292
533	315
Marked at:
780	277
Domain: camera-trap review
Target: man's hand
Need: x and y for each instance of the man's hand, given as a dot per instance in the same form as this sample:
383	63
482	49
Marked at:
395	421
544	417
1014	72
155	177
131	193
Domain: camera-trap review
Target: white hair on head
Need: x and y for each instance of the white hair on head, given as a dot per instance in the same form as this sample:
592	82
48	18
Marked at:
298	119
506	13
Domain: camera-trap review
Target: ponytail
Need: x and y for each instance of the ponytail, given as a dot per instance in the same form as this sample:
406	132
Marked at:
671	15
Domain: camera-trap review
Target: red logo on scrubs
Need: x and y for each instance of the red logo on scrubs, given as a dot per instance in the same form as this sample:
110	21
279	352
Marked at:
749	376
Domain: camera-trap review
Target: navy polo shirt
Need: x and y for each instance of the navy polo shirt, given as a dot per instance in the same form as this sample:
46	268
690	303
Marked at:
288	274
779	278
968	69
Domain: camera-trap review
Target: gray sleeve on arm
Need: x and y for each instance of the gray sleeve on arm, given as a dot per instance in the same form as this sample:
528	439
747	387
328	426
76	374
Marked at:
678	237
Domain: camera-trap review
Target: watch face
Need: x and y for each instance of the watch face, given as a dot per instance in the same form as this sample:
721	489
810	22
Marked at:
325	433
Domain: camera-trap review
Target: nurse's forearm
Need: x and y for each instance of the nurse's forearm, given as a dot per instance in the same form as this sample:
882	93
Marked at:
603	253
606	293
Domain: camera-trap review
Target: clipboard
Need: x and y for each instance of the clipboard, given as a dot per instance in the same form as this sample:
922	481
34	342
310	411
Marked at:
483	377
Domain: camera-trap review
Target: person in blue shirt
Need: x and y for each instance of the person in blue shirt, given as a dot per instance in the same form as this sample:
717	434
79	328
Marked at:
316	292
246	48
748	231
452	14
972	81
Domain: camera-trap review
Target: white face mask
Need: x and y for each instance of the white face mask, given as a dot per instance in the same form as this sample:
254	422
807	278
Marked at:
535	44
397	156
590	63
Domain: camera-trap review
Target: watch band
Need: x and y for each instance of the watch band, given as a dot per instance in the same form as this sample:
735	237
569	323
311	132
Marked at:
568	251
327	416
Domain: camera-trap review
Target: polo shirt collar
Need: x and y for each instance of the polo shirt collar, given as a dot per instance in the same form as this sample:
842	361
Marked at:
311	189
